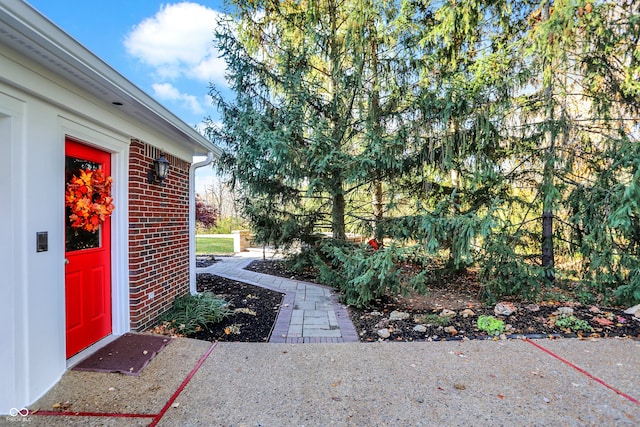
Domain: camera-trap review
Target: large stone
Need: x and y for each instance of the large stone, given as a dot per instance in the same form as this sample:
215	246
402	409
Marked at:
635	310
451	330
398	315
384	333
504	309
467	312
447	313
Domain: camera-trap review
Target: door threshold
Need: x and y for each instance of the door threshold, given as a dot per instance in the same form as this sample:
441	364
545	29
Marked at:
79	357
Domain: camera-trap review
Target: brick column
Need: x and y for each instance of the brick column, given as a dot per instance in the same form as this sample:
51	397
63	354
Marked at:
158	235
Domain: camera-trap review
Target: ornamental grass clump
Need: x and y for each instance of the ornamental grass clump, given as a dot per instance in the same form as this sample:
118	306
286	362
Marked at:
491	325
190	313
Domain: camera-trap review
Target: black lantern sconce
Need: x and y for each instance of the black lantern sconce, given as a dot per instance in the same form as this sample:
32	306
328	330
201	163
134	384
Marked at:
160	170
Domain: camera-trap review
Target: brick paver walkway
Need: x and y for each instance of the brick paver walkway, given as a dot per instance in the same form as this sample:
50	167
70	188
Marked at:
310	313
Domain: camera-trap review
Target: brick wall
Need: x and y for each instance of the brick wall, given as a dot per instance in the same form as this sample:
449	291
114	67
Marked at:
158	235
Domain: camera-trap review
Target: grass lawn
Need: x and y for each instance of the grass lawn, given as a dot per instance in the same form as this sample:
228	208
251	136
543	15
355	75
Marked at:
214	245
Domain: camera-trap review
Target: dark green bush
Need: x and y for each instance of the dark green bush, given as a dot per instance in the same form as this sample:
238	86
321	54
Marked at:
629	293
362	274
503	272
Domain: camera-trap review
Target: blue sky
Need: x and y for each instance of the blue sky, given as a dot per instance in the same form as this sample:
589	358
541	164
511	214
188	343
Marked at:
163	47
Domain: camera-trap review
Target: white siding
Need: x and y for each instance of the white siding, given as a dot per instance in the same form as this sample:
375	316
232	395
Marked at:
37	110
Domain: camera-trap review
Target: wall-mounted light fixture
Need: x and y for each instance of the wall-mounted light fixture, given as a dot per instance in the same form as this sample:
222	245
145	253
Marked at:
160	170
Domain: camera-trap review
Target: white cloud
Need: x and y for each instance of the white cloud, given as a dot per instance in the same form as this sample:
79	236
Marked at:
168	92
178	42
207	99
211	69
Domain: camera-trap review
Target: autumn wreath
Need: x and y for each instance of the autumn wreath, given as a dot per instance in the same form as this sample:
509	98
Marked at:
89	197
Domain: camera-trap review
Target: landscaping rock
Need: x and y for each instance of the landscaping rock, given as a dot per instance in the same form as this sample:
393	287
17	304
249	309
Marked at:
447	313
533	307
564	311
420	328
635	310
451	330
399	315
504	309
384	323
384	333
467	313
594	309
602	321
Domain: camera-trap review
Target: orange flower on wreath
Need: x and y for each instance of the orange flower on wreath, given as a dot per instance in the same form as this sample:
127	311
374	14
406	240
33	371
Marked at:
89	197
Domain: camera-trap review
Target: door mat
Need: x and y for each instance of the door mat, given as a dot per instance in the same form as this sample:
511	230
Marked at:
128	354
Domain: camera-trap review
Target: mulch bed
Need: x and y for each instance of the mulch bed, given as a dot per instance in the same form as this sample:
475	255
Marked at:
277	268
459	293
205	260
256	310
524	322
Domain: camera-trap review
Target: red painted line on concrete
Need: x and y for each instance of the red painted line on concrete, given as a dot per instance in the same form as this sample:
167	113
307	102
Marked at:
577	368
90	414
167	405
156	417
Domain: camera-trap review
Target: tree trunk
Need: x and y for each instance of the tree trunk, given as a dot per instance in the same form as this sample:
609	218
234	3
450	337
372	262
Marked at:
454	255
378	209
337	216
376	128
548	172
547	243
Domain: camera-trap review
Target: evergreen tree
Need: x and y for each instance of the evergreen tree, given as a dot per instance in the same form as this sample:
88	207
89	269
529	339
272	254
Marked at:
314	119
501	132
469	74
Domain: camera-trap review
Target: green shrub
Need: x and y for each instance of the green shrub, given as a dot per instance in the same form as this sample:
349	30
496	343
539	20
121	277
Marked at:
362	274
228	224
605	227
301	261
491	325
505	272
190	313
432	319
629	293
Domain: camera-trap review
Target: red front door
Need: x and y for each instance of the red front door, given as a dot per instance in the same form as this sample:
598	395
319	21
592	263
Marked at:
88	262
